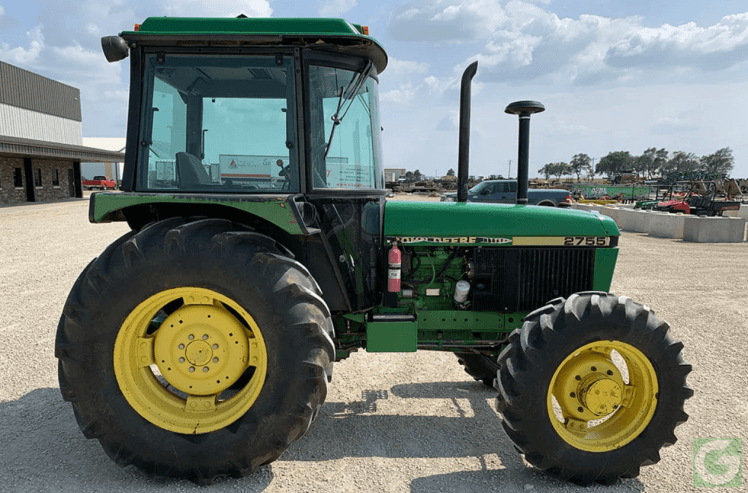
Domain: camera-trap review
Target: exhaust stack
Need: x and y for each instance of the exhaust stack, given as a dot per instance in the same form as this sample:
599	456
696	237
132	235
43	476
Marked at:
523	109
463	166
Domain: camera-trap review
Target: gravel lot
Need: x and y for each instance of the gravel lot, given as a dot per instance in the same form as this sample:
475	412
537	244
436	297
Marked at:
412	422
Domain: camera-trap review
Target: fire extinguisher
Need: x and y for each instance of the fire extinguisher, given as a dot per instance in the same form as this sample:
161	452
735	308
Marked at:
394	259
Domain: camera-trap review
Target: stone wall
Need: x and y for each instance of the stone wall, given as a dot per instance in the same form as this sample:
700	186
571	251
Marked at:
48	191
10	194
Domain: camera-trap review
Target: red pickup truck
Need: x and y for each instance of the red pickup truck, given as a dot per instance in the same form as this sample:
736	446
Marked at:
99	182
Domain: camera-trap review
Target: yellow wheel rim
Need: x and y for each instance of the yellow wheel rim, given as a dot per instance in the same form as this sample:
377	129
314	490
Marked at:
177	369
602	396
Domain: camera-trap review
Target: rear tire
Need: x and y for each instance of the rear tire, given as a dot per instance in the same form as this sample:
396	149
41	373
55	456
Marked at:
259	323
561	364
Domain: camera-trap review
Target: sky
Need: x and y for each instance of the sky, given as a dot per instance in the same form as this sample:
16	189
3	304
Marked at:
612	75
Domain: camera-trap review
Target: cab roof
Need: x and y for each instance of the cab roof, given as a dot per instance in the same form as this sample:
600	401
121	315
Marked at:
321	33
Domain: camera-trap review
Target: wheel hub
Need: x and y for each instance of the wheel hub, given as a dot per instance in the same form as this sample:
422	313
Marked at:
199	353
201	349
601	397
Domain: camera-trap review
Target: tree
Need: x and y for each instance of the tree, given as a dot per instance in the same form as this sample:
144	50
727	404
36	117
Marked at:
559	169
409	176
579	163
648	163
719	163
683	162
546	170
417	176
451	172
614	163
660	160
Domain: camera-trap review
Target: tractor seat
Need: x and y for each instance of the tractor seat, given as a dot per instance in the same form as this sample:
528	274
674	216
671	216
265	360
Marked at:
190	171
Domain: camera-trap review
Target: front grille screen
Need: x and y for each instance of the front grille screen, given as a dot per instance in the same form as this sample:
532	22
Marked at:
523	279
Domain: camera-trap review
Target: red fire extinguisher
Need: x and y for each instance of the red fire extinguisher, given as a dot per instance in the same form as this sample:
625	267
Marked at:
394	259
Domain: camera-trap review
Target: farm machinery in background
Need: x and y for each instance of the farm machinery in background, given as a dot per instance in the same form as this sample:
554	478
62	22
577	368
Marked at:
701	198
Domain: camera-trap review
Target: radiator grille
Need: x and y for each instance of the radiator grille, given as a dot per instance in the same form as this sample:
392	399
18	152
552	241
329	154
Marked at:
522	279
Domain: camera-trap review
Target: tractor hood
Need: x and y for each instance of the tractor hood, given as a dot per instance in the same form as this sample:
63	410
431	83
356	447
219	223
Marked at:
490	223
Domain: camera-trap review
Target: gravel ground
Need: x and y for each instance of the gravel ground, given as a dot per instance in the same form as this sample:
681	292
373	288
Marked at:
412	422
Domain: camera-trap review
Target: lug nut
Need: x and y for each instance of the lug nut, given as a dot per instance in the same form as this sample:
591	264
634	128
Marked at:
181	360
192	368
215	346
205	337
181	346
205	369
190	337
215	360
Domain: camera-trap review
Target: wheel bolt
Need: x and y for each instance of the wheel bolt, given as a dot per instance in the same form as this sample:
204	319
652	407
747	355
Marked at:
572	394
181	346
580	409
190	337
215	360
578	377
181	360
610	372
205	369
205	337
192	368
215	346
593	368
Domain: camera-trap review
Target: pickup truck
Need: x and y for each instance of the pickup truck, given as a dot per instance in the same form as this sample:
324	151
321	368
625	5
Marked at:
505	192
99	182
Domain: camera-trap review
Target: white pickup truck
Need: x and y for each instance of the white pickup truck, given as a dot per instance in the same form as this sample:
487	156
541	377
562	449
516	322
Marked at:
505	192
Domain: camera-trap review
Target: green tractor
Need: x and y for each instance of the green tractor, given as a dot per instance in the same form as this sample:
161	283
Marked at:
262	249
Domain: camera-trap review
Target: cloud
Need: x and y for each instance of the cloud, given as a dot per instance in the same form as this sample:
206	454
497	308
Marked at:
334	8
19	55
445	20
716	47
524	41
217	8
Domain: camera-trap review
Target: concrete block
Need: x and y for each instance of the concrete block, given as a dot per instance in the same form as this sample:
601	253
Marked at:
639	221
624	219
714	229
610	211
666	225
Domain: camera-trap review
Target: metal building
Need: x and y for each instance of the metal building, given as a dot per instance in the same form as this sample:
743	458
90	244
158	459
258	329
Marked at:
41	145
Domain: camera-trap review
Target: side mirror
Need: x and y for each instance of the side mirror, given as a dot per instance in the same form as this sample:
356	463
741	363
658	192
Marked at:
115	48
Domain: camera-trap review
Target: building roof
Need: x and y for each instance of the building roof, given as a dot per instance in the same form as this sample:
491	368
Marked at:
16	147
35	92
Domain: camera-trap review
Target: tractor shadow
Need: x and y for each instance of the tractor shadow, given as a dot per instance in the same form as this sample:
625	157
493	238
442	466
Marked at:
363	428
44	450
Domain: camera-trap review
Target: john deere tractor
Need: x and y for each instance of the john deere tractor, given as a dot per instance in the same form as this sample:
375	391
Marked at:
262	250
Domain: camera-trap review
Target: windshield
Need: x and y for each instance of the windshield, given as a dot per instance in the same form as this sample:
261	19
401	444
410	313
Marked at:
345	131
219	124
477	188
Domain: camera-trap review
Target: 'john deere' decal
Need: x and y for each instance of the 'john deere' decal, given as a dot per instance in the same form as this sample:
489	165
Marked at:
463	240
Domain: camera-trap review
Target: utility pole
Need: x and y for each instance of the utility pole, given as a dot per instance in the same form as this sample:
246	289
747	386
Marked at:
509	173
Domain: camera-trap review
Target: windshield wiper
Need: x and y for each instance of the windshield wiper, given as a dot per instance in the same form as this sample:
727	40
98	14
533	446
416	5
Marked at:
351	90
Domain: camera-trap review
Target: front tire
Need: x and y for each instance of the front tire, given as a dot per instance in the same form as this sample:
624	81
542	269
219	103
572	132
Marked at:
575	408
195	349
481	367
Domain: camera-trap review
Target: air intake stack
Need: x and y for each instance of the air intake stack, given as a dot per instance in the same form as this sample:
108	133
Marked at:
523	109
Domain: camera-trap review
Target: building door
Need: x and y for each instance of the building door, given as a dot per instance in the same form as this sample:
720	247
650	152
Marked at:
27	170
71	183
